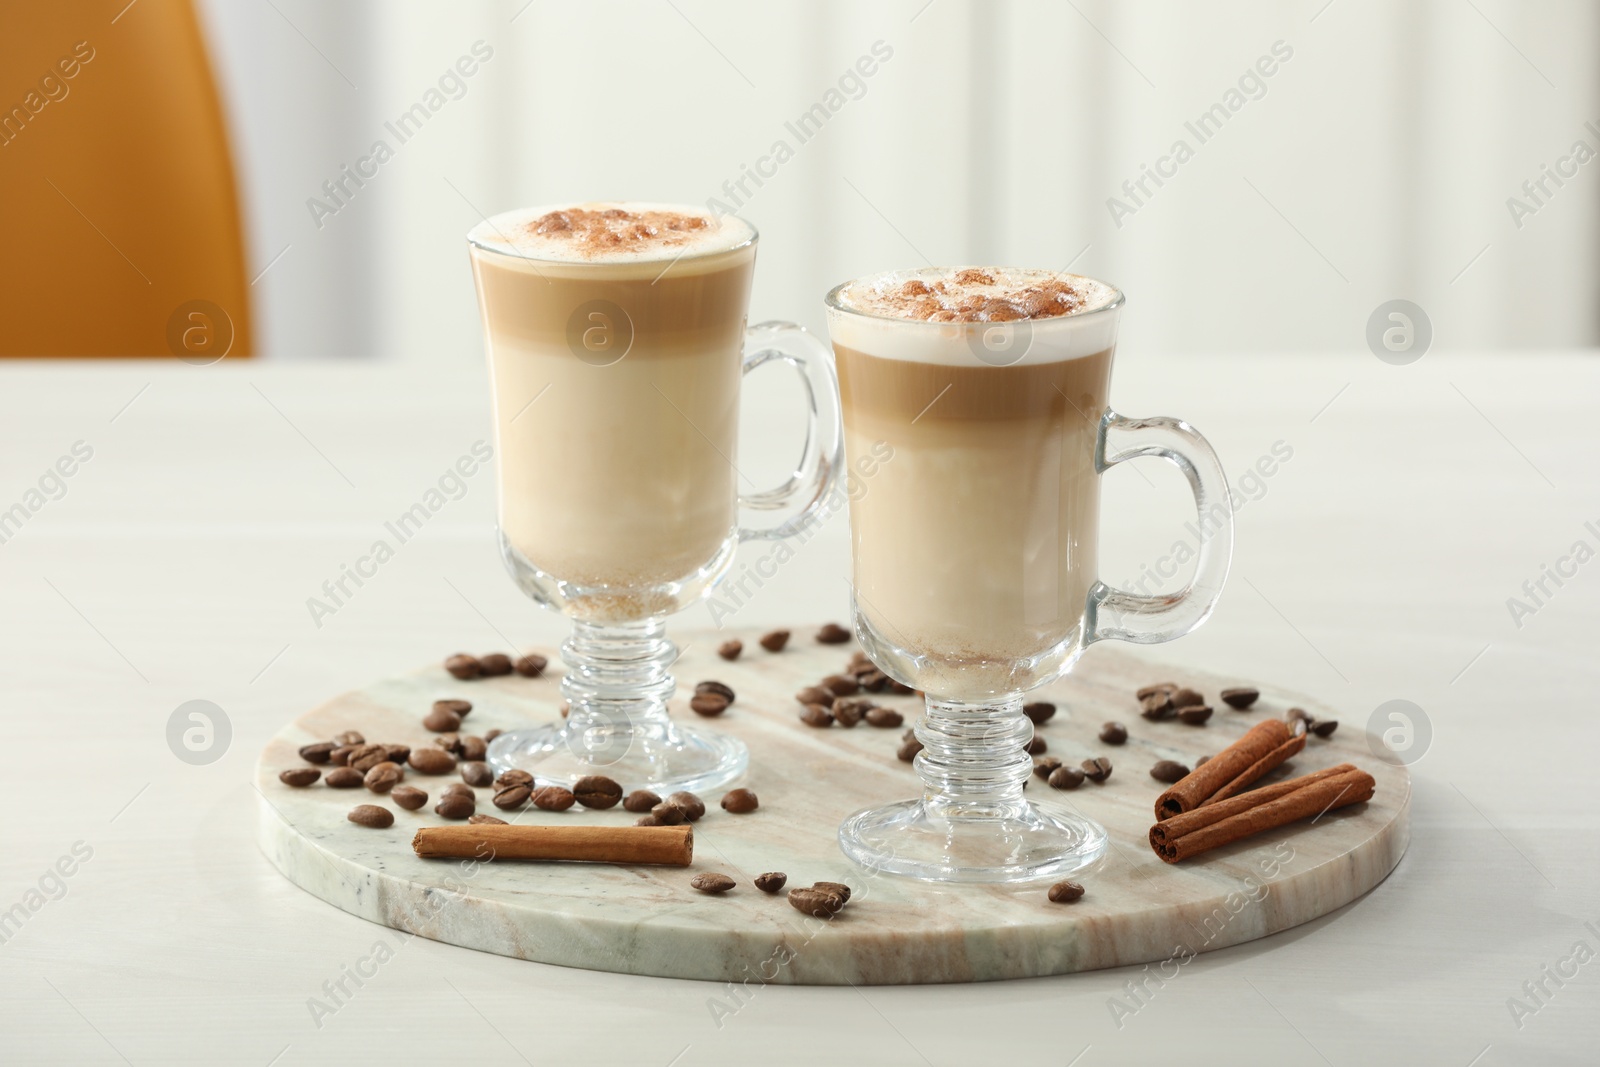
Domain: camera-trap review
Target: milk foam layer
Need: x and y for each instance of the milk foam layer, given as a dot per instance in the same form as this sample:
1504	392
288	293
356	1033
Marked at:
947	315
610	232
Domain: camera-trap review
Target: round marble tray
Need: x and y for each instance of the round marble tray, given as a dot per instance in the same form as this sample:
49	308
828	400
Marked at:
647	920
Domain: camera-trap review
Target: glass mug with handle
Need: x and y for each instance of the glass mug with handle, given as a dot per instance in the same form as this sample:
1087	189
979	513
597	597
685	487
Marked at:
975	551
617	345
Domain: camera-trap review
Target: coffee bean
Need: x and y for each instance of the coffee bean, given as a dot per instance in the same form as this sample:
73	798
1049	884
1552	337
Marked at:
1114	733
1097	770
885	718
530	666
1065	892
1195	715
720	688
666	814
554	798
477	773
1065	777
1168	771
771	882
1039	711
1043	767
299	776
640	800
816	715
317	753
841	685
730	649
1156	706
454	806
908	750
1240	697
693	807
350	737
774	641
383	777
463	666
459	789
1167	688
472	748
1036	746
819	903
708	704
486	820
1200	762
442	720
513	777
815	694
344	778
832	634
340	756
740	802
398	753
834	887
874	681
597	791
512	797
648	820
848	713
408	796
431	760
366	757
899	688
711	882
450	742
1186	697
371	815
1324	727
490	735
909	735
1298	715
494	664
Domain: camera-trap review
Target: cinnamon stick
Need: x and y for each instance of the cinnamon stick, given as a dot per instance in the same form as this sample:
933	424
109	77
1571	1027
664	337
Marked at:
1263	746
1214	825
672	845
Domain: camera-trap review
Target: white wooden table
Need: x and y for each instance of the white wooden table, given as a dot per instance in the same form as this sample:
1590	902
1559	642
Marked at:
1376	564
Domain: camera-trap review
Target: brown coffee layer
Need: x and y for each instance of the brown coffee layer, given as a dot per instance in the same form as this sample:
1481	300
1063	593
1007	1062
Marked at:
903	390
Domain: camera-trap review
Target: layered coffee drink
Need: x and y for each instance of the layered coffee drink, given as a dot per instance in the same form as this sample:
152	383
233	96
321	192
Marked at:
975	549
614	334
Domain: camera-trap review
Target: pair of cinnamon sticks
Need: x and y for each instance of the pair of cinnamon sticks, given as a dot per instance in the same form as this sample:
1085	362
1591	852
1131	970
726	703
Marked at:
1214	805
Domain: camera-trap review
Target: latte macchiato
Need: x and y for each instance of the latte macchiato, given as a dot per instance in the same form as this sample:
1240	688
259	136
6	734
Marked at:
614	334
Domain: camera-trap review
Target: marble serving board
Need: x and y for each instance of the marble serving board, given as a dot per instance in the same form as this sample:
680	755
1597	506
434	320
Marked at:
647	920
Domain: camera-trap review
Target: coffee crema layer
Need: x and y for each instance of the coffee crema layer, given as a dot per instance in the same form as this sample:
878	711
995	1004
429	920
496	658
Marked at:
607	231
975	294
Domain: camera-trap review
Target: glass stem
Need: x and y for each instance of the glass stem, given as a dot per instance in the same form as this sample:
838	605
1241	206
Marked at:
974	761
617	681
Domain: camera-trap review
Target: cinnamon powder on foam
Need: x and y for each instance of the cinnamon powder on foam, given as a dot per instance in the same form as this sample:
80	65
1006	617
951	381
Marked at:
958	299
611	230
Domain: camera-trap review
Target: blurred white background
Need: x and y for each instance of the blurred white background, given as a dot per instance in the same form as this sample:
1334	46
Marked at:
1375	162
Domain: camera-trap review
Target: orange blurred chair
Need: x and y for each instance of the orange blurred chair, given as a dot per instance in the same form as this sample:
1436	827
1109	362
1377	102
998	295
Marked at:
119	220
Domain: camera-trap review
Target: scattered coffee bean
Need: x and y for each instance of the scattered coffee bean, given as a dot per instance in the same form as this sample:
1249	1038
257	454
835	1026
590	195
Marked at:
822	903
366	757
371	815
597	791
1160	687
834	887
1064	777
530	666
1156	706
398	753
494	664
730	649
1324	727
1240	697
711	882
1097	770
490	735
722	689
1043	767
815	694
340	756
1187	697
512	797
344	778
909	735
841	685
299	776
666	814
1065	892
885	718
450	742
640	800
454	806
899	688
1036	746
1200	761
848	713
874	681
477	773
1040	711
554	798
459	789
472	748
317	753
771	882
647	820
1114	733
1298	715
408	796
774	641
463	666
489	820
442	720
740	802
513	777
693	807
383	777
350	737
816	715
1195	715
908	750
431	760
832	634
1168	771
708	704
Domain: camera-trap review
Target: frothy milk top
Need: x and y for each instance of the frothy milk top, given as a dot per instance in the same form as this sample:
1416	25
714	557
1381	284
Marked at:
610	232
956	308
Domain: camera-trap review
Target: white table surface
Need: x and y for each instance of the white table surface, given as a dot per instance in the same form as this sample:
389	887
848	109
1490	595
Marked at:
1376	566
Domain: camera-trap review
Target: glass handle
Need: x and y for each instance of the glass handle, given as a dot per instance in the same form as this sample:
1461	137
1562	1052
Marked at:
822	455
1147	620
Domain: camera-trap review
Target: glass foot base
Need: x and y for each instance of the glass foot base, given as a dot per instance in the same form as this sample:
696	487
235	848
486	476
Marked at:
661	761
1017	844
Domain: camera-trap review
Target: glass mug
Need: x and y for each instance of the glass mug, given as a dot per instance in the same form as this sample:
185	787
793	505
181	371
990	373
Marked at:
616	379
975	562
